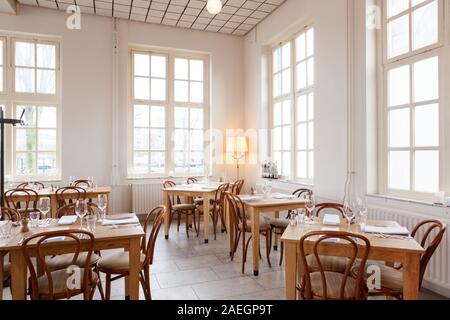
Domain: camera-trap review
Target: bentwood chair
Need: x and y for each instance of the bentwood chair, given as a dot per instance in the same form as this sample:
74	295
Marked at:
68	195
243	226
53	284
216	209
8	214
279	225
31	185
69	209
237	186
429	233
325	207
191	180
118	264
178	208
28	201
316	282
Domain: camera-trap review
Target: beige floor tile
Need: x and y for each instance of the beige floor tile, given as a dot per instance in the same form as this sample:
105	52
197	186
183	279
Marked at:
178	293
196	262
271	280
186	277
225	288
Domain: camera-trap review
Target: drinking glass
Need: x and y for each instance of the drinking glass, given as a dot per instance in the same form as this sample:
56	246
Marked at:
91	219
81	210
266	188
71	180
5	230
310	205
91	181
44	207
362	212
349	213
101	202
293	219
34	219
301	216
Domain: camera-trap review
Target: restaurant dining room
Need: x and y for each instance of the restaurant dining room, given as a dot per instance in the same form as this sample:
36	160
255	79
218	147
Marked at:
255	150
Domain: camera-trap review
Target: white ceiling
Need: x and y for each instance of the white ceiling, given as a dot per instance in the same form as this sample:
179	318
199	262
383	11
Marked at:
237	17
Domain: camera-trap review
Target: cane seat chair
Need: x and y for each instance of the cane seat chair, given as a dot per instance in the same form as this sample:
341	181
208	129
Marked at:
27	204
36	185
237	186
316	282
68	195
117	265
243	226
429	233
53	284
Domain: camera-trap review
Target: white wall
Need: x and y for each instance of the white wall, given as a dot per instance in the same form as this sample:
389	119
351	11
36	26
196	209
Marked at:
329	19
88	94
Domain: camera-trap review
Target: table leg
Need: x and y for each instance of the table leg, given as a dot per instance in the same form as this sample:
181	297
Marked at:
189	200
275	237
206	216
254	214
54	206
230	225
290	270
135	266
166	214
107	203
411	276
18	275
2	260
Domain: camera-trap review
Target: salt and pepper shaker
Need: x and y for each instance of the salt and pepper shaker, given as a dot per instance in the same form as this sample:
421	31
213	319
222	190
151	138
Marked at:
24	227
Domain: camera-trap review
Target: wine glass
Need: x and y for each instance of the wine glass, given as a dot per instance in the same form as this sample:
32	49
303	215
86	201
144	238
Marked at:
300	216
266	188
362	212
310	205
81	210
71	180
44	207
101	202
349	213
91	181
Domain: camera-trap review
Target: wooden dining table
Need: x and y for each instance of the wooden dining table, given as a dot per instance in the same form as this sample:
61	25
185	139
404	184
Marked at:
206	191
255	206
390	249
127	237
91	193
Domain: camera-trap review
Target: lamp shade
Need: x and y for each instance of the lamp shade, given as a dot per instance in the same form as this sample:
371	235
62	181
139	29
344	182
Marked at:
214	6
237	145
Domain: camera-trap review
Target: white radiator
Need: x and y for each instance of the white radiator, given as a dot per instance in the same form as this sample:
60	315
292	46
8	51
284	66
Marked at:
145	197
437	275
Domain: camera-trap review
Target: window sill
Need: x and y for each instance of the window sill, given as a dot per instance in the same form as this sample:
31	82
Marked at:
404	200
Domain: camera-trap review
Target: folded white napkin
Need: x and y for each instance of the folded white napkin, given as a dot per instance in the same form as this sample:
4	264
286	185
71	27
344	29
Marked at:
108	222
386	230
250	198
331	220
67	220
283	196
54	239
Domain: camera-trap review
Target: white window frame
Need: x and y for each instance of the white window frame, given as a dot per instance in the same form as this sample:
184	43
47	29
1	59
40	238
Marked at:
169	105
292	97
3	64
386	64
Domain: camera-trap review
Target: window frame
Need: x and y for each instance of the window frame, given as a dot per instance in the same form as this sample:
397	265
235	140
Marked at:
409	59
169	104
292	96
4	65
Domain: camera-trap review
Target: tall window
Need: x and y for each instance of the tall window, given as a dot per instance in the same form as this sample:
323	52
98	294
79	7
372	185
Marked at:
293	107
412	99
170	114
34	91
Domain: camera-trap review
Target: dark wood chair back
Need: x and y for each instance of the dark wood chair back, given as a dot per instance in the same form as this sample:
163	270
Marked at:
237	187
68	195
69	209
353	251
237	209
433	232
303	193
28	200
31	185
37	243
10	214
191	180
148	247
81	183
331	206
219	197
173	200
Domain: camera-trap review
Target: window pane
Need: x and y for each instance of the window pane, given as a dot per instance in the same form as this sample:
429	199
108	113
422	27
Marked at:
287	138
46	56
181	69
179	161
427	126
310	42
302	165
311	106
310	71
416	2
399	128
277	60
301	75
398	36
46	163
426	80
141	65
311	165
286	58
277	159
141	139
1	79
158	118
196	118
287	112
141	116
196	90
29	116
158	89
25	140
286	170
311	135
399	92
301	108
286	81
399	170
157	139
425	26
196	140
426	172
46	117
277	111
25	163
157	162
277	85
397	6
196	162
1	53
47	140
276	139
24	80
302	136
180	139
46	81
141	88
181	91
158	66
300	43
24	54
140	162
181	118
196	70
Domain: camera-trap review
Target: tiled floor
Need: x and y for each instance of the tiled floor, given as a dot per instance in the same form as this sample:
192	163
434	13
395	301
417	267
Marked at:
188	269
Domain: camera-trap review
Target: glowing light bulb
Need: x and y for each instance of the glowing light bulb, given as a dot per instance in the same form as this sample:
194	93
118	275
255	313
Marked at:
214	6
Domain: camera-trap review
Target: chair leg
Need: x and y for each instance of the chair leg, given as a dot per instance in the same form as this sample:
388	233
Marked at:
178	222
281	253
108	287
268	246
236	244
245	250
199	218
187	225
194	221
214	216
99	284
222	221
